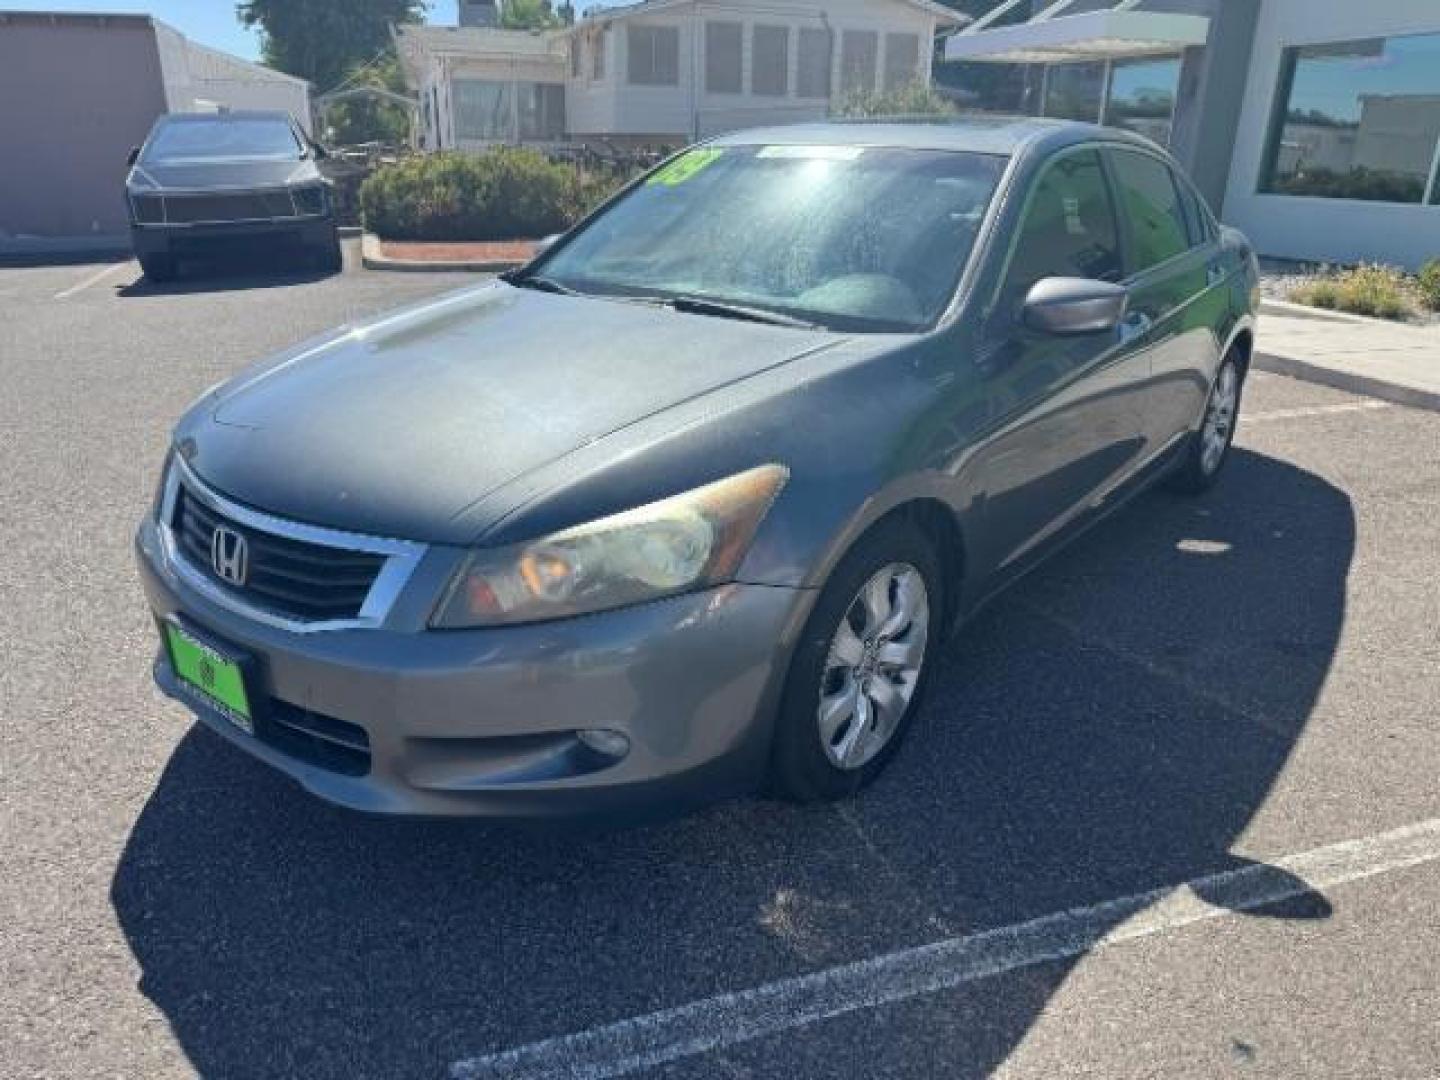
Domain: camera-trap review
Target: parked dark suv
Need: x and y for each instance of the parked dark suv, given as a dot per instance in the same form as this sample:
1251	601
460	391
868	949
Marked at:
206	181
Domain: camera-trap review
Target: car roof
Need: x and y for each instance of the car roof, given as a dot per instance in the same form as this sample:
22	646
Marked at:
1004	135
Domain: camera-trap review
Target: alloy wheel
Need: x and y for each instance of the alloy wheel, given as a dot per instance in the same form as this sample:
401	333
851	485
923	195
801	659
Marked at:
1219	419
873	666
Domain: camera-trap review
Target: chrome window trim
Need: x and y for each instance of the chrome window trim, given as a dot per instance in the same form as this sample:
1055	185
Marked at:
401	557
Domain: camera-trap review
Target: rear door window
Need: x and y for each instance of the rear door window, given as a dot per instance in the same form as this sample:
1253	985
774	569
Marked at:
1150	204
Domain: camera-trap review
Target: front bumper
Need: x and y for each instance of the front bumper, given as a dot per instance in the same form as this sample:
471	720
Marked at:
483	722
308	232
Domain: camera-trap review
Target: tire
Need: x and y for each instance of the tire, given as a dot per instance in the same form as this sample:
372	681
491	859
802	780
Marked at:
811	732
328	259
159	268
1209	448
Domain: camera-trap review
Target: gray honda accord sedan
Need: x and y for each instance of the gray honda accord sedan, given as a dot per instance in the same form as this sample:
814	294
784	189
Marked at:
687	505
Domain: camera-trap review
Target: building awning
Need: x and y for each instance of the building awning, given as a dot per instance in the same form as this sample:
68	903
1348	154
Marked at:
1091	35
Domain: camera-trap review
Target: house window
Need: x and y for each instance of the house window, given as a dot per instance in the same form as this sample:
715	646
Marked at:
541	108
1142	97
484	110
1074	91
812	70
902	60
597	54
858	52
770	61
575	57
1358	120
722	57
654	55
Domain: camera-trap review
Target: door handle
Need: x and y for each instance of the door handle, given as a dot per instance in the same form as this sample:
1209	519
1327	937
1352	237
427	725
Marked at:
1135	325
1215	273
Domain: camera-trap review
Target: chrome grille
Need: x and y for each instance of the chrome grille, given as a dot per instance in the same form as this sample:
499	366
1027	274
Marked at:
289	577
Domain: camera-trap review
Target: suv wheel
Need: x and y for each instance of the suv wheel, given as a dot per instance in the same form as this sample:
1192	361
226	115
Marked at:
158	268
861	667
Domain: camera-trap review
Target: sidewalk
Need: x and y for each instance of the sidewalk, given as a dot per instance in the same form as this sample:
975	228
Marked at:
1367	356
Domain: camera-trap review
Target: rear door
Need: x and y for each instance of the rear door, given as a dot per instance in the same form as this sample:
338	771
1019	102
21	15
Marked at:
1177	294
1069	430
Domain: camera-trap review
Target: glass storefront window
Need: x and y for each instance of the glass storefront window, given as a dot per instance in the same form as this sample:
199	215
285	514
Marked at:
1142	97
1074	91
1358	120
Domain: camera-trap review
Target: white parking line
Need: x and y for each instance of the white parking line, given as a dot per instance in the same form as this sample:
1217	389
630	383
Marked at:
93	279
714	1023
1314	410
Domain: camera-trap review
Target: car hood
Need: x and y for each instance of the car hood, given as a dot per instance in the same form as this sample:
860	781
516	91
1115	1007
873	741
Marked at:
395	427
220	174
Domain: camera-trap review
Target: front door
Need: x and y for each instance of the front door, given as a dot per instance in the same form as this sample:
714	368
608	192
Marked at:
1069	428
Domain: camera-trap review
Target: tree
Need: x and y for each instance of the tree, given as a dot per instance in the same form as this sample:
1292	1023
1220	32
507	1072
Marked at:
363	119
321	40
528	15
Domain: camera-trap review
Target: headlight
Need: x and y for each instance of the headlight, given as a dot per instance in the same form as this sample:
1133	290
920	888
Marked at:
686	542
310	200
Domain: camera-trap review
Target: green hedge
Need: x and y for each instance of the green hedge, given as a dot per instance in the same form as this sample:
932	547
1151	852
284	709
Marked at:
503	194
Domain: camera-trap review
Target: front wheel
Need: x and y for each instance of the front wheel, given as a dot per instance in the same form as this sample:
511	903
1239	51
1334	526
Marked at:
158	268
1209	448
328	259
861	667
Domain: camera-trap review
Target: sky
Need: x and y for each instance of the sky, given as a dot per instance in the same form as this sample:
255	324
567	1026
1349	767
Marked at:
209	22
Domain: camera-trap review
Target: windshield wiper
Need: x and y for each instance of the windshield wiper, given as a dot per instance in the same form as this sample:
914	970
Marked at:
538	282
696	305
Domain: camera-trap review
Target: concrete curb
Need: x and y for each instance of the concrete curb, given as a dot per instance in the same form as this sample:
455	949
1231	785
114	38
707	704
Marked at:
1305	311
1352	381
373	258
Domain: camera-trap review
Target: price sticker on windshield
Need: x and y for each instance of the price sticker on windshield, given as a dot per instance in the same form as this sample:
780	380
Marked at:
684	167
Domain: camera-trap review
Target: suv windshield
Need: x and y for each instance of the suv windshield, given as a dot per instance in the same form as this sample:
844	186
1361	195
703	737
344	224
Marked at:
849	237
223	137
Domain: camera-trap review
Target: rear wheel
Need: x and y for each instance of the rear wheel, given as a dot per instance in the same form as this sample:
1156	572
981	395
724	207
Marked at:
1210	447
159	267
861	667
328	259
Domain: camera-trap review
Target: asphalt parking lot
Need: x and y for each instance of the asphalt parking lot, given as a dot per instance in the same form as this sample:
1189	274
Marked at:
1171	809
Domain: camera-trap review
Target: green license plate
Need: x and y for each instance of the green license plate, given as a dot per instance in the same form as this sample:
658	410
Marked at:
216	678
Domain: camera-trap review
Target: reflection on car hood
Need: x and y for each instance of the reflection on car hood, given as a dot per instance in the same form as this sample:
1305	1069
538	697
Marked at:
219	174
395	427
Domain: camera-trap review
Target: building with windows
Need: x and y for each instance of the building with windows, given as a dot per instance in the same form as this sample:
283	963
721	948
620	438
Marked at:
1314	125
664	71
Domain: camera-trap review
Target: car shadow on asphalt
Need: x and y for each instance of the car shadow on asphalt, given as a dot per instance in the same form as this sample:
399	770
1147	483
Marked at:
1109	726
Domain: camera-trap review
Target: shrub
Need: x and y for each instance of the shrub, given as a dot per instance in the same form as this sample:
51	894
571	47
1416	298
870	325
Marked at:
502	194
915	99
1427	284
1379	291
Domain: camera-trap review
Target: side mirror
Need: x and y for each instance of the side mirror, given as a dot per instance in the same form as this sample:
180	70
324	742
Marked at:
319	151
133	156
545	243
1063	305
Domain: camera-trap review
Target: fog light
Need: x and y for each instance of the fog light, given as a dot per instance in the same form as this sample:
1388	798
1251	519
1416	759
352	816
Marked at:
603	741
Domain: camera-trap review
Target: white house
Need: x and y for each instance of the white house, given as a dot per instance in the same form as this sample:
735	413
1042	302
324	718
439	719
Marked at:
664	71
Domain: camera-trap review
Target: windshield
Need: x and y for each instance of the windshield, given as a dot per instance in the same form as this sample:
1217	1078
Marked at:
223	137
848	237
